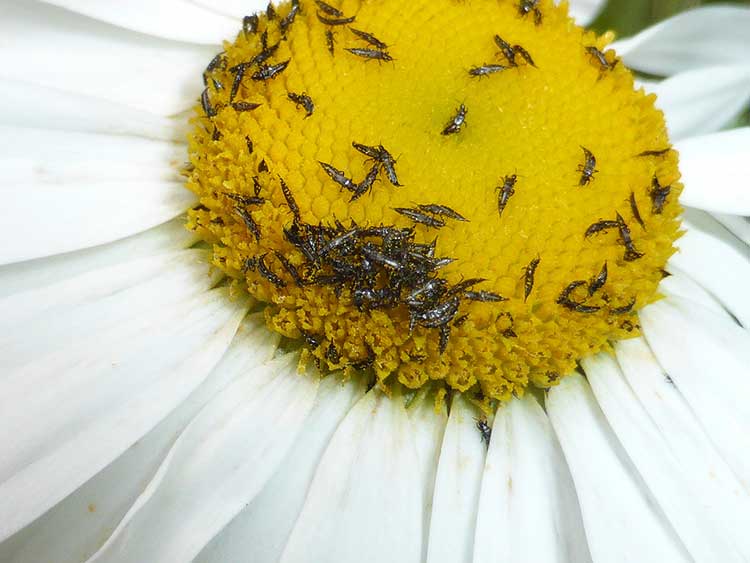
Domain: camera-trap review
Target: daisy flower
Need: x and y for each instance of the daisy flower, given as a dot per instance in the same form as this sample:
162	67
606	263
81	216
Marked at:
372	281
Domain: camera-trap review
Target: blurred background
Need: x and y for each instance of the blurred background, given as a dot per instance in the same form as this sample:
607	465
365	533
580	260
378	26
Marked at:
626	17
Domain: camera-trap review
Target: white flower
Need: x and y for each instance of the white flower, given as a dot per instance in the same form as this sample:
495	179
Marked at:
144	417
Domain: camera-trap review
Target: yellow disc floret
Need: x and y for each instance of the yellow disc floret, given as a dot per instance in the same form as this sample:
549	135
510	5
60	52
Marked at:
435	190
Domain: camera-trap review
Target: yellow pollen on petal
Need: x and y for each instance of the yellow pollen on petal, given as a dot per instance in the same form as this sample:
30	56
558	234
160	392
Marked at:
335	161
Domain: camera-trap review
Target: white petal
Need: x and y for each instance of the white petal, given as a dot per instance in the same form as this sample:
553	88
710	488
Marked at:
260	531
681	285
23	104
76	527
46	156
585	11
703	100
711	35
623	523
57	49
180	20
699	499
717	261
365	501
739	226
25	276
52	219
233	8
715	169
429	429
218	464
459	476
528	510
707	356
83	407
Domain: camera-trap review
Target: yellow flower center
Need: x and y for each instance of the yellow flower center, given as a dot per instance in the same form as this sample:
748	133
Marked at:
464	192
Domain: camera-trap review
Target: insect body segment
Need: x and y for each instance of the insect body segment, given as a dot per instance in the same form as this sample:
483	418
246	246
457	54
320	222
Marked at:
457	121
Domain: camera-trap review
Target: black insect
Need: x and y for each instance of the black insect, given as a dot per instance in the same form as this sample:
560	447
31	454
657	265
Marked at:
264	39
627	240
249	264
445	334
526	7
288	20
601	58
587	169
518	50
239	74
250	24
312	340
658	195
261	57
437	316
216	135
528	277
245	200
381	155
245	106
336	21
456	122
598	281
338	176
289	267
329	40
506	191
249	144
600	226
484	430
208	109
268	274
266	72
506	49
290	199
486	70
250	223
636	212
370	54
217	85
270	12
219	61
256	186
508	332
302	100
660	152
370	38
624	309
442	210
366	185
328	9
418	217
565	300
263	167
484	296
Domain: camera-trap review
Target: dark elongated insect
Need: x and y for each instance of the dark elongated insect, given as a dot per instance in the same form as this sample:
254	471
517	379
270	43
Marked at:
658	195
336	21
486	70
445	334
419	217
587	169
370	38
485	431
268	274
332	354
237	80
250	223
624	309
288	20
627	240
381	155
565	300
263	167
329	40
249	264
456	122
249	144
270	12
506	191
219	61
528	277
464	285
266	72
518	50
289	199
636	212
506	49
289	267
370	54
601	58
217	85
245	106
250	24
367	362
208	109
256	186
484	296
526	7
598	281
600	226
328	9
439	315
443	210
660	152
264	40
338	176
302	100
312	340
245	200
258	59
216	135
365	185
